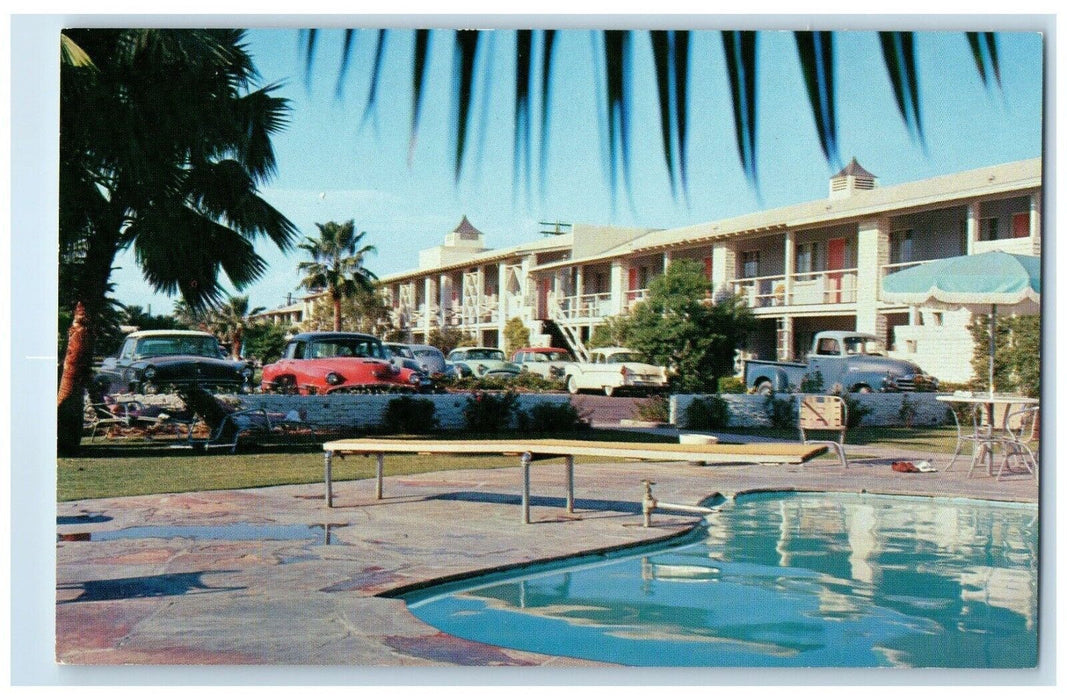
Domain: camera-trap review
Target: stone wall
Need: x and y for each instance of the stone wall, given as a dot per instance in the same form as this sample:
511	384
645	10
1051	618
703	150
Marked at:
749	410
351	411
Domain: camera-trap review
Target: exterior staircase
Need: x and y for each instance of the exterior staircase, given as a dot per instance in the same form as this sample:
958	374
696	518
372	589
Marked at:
571	335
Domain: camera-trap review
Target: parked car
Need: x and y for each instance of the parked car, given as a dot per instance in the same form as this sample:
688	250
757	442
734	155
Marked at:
614	371
547	362
335	363
151	361
854	361
482	362
428	359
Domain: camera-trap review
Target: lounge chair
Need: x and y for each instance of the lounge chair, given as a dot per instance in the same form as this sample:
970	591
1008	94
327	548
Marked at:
824	414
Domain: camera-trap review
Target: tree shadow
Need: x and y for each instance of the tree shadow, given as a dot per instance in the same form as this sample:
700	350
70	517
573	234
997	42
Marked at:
144	587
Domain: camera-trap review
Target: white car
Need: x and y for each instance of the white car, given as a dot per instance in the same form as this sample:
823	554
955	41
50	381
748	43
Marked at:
615	370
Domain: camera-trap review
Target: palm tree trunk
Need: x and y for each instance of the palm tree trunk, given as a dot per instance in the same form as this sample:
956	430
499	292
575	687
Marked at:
77	364
337	313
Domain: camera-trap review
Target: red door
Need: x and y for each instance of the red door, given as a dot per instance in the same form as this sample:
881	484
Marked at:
542	298
835	260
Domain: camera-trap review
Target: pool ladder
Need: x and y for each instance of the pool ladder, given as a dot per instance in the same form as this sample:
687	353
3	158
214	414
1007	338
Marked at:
649	503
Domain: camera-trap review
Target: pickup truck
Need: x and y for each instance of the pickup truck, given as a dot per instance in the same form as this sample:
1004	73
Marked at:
854	361
614	371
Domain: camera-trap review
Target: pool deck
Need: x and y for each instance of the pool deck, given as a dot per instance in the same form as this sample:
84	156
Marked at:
175	600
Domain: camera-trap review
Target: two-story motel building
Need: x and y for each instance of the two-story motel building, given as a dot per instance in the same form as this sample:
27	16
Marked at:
801	268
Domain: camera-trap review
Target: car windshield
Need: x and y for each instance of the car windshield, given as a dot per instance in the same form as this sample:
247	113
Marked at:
863	346
201	346
485	354
620	357
552	357
401	351
346	347
426	353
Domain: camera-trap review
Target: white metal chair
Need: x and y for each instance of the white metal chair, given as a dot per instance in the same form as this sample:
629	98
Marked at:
824	414
1023	430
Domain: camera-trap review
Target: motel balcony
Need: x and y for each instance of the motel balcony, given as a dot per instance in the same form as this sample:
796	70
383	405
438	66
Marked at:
808	289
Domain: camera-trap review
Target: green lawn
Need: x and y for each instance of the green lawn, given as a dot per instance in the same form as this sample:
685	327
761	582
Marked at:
129	468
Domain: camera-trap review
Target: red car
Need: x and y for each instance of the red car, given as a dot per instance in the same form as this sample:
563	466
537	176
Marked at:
337	363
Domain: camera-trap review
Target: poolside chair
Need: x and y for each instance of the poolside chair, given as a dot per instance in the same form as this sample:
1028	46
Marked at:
229	425
1023	431
824	414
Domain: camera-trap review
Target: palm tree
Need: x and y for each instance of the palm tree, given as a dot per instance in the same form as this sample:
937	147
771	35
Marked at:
336	265
231	320
163	146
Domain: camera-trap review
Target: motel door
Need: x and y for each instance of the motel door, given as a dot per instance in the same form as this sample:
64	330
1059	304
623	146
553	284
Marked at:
835	260
542	298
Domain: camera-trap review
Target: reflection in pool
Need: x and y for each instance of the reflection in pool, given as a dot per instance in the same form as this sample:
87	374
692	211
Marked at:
782	580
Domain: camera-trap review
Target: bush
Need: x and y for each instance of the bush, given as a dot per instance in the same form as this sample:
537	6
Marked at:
732	385
856	410
782	412
523	382
655	409
708	412
907	411
407	414
812	383
490	413
546	417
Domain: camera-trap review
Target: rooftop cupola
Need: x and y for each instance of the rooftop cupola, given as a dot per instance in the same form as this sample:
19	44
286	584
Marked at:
464	236
852	178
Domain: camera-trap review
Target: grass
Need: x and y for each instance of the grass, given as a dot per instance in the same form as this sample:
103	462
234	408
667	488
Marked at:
135	468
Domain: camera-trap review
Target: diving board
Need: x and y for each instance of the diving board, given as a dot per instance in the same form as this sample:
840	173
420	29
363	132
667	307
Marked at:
531	450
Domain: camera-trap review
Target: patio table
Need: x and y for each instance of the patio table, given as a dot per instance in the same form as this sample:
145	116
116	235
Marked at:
985	436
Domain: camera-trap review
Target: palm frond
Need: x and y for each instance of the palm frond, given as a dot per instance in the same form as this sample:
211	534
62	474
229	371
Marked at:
661	57
548	42
740	49
520	156
466	44
617	68
311	37
898	51
376	74
73	55
816	53
670	56
984	51
681	101
420	62
346	56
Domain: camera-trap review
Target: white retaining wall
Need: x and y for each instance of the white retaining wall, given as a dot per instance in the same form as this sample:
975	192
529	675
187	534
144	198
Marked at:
749	410
352	411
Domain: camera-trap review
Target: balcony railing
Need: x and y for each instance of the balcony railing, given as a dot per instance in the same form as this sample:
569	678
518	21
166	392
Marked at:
635	295
584	306
809	288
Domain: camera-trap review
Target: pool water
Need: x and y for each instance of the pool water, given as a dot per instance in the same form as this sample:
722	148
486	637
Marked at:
781	580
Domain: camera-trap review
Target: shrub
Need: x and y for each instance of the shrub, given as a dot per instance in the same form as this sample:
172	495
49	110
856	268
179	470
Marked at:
490	412
407	414
907	411
524	382
781	412
732	385
708	412
812	383
547	417
856	411
655	409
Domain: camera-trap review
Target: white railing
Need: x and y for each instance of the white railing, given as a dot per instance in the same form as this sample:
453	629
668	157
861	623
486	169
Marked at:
584	306
760	291
808	288
634	296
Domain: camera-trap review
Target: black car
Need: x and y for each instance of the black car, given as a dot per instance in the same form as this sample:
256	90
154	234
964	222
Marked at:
151	361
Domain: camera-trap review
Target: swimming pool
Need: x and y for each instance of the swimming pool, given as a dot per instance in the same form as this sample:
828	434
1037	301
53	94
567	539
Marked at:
780	580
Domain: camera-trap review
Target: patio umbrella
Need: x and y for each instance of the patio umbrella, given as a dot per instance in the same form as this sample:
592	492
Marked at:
982	283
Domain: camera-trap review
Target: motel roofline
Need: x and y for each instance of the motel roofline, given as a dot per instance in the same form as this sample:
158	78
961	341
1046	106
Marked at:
887	200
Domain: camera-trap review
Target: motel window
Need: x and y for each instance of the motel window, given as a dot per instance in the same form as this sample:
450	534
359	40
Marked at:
900	246
806	256
750	263
988	228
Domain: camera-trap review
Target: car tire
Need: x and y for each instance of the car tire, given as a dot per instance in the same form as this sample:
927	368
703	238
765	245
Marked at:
609	390
765	388
861	389
572	385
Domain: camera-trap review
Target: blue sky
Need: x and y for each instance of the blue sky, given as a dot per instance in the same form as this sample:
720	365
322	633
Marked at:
329	169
